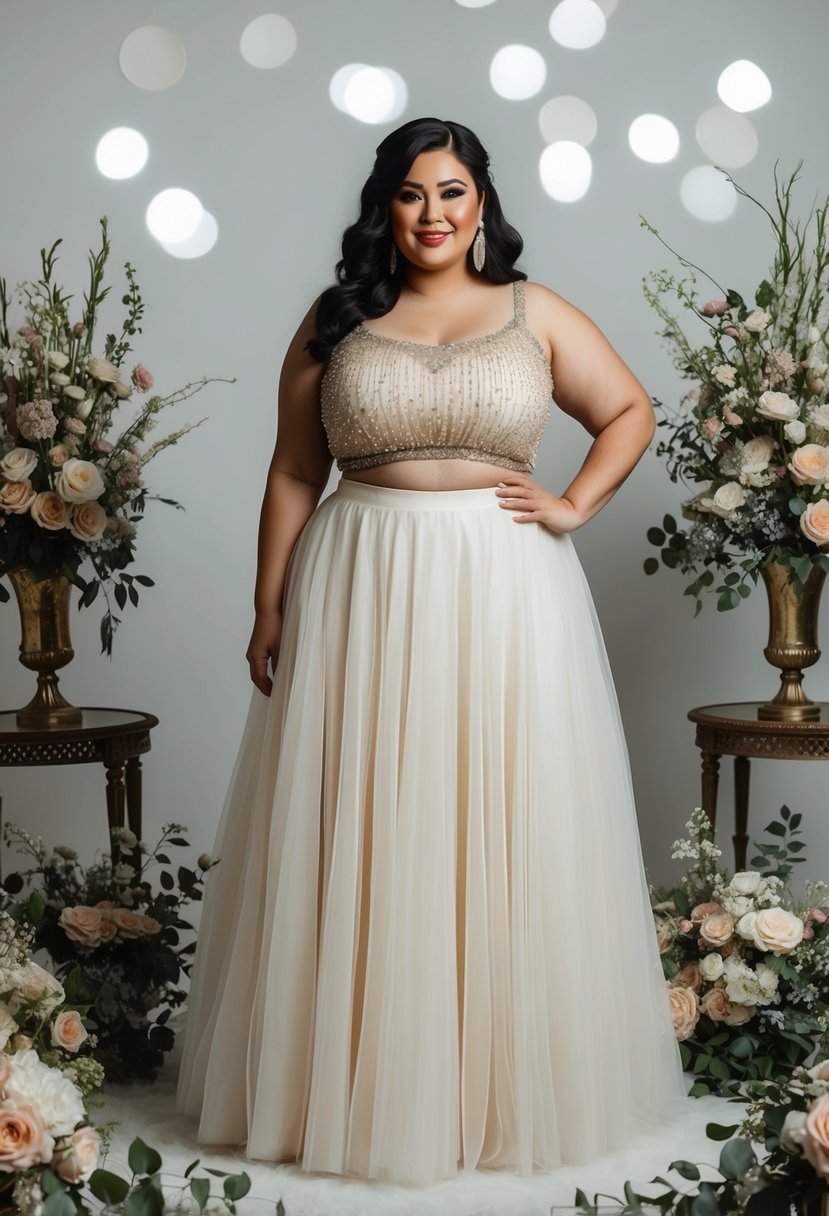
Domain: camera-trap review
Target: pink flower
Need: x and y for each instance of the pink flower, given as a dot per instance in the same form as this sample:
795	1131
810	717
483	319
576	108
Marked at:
79	329
685	925
75	1159
76	425
816	1136
817	914
711	427
103	445
733	331
141	378
731	418
808	933
713	308
780	470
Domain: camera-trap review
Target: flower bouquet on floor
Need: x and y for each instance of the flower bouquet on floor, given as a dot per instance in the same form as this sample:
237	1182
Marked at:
746	965
69	490
753	431
116	939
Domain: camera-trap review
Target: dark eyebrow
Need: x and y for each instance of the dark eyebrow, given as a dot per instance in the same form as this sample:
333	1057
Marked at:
419	185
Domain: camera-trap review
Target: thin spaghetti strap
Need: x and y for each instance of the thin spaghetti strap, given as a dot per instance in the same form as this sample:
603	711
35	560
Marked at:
518	302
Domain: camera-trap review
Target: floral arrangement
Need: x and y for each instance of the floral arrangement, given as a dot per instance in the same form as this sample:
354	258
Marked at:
787	1118
115	939
753	430
746	966
68	492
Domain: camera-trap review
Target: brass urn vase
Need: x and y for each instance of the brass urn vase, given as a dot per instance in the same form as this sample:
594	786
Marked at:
792	644
45	646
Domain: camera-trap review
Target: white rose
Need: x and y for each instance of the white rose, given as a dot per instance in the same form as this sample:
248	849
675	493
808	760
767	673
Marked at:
777	406
777	930
745	882
820	416
757	321
57	359
756	453
814	522
79	481
75	392
792	1131
102	369
745	925
795	431
728	498
711	966
17	464
737	905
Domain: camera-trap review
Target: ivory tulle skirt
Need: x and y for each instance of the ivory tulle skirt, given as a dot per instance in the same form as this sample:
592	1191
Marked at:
428	944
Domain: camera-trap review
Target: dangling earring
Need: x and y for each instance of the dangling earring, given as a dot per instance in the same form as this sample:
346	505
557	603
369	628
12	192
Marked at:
393	259
479	248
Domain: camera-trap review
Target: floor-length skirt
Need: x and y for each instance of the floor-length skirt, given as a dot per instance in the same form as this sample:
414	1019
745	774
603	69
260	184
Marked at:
428	944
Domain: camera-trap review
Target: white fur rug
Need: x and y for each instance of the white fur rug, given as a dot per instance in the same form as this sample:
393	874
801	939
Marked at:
149	1111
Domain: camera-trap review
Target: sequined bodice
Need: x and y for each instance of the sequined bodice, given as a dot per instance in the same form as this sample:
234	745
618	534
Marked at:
486	398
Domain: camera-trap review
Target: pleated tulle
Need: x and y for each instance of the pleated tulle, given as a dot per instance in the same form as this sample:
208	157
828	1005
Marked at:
429	944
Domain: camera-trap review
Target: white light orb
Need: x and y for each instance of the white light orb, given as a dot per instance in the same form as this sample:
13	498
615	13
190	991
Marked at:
568	117
517	72
707	194
743	86
152	57
577	24
727	138
565	169
121	152
474	3
268	41
653	138
174	215
369	94
198	243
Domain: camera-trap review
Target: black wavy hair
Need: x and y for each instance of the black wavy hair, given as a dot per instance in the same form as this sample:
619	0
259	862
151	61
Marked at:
365	286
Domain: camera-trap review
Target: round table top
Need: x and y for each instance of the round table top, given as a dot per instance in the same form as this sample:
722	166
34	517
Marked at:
744	713
97	720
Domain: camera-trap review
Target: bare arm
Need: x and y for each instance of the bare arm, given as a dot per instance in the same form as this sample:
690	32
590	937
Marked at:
297	475
595	386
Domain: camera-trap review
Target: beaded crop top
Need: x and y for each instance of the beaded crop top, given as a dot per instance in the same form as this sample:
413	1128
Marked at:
486	398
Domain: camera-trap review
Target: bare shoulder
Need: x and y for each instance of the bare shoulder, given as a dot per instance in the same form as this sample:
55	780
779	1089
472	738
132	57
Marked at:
552	317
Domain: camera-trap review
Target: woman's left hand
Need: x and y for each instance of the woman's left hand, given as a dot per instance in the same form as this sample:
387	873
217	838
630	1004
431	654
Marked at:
518	492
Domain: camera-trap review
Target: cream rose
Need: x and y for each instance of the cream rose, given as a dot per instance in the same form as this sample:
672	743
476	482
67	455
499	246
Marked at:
778	406
757	321
795	431
777	930
756	453
684	1011
24	1140
814	522
49	510
745	882
820	416
68	1031
700	911
809	465
17	464
17	496
87	520
79	481
728	498
82	924
102	369
717	928
75	1159
711	966
816	1135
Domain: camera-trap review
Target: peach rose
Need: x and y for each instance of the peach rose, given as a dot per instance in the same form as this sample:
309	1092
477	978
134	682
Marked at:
79	481
688	977
684	1011
699	913
777	930
809	465
76	426
17	496
130	924
150	925
814	522
82	924
736	1014
142	379
715	1004
24	1140
74	1159
68	1031
87	520
58	455
717	928
663	938
730	947
49	510
816	1136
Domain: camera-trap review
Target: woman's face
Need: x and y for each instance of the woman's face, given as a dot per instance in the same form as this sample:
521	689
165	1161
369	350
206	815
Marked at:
438	195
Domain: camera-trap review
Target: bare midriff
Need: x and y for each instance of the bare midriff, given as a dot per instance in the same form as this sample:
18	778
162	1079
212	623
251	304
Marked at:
448	474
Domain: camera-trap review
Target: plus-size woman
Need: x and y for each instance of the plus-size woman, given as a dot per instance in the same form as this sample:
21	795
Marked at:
428	944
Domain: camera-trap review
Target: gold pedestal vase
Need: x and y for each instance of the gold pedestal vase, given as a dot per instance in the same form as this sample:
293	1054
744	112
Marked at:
792	643
45	647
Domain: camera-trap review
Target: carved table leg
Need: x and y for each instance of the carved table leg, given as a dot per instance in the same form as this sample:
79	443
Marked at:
115	799
134	794
740	837
710	779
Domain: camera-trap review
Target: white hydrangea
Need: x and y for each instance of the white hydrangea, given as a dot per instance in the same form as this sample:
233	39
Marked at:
56	1099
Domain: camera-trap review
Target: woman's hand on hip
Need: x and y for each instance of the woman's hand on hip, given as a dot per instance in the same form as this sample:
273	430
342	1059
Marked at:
264	644
535	505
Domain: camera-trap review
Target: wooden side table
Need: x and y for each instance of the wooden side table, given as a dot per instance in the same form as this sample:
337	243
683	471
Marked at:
112	737
733	729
